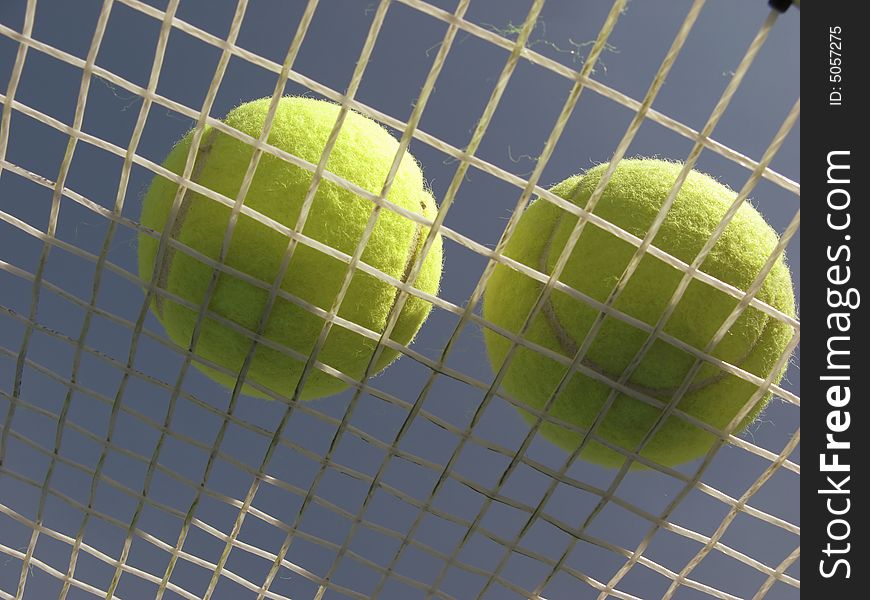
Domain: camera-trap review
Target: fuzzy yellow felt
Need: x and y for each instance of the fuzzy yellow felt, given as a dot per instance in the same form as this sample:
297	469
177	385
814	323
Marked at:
363	154
631	201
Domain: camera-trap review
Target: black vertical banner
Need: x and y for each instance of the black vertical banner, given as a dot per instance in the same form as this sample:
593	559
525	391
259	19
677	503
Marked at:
834	252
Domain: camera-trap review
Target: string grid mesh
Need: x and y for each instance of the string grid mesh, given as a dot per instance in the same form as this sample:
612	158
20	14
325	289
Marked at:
242	525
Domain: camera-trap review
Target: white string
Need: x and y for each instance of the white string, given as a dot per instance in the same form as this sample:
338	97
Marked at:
777	460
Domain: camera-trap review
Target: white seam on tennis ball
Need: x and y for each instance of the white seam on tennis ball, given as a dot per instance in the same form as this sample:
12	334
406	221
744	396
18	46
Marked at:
570	347
414	249
169	256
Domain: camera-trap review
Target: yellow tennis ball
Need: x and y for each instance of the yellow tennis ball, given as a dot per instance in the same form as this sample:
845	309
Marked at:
363	154
632	200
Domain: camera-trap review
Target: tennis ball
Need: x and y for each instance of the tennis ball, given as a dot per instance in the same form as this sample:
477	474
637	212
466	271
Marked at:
363	154
632	200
